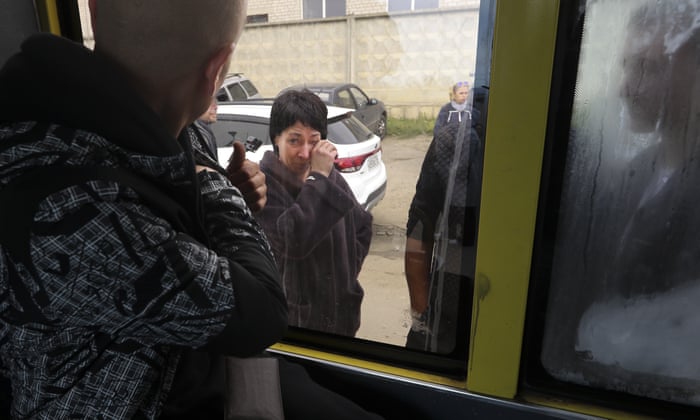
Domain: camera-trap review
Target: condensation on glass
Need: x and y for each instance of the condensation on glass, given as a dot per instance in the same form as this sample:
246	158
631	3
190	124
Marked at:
625	283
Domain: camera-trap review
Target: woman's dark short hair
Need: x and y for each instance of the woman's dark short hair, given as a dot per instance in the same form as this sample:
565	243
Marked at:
303	106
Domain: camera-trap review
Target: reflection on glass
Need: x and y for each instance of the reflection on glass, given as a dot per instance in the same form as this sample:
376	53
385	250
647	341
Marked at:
622	310
408	62
441	230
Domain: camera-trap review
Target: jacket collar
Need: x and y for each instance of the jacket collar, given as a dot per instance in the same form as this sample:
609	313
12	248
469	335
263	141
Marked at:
55	80
271	163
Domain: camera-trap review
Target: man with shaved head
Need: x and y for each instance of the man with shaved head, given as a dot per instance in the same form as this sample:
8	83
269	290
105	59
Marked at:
126	270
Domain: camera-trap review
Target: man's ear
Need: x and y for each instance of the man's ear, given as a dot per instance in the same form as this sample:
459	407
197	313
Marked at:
216	69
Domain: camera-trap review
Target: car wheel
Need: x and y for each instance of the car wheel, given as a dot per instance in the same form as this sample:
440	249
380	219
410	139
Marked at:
381	127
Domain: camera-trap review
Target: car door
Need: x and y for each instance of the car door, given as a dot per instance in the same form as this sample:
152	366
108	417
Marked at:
365	111
344	99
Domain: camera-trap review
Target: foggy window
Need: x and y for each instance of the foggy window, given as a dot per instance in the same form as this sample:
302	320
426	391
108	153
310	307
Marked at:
625	282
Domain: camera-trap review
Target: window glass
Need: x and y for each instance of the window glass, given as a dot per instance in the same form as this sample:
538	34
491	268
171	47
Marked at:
399	5
348	131
343	99
262	18
360	98
410	195
237	92
622	312
426	4
313	9
249	87
227	130
335	8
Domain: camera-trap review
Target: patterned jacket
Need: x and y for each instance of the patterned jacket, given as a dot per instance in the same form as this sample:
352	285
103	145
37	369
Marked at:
111	296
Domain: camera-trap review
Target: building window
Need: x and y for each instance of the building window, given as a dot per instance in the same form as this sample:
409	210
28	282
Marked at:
263	18
314	9
409	5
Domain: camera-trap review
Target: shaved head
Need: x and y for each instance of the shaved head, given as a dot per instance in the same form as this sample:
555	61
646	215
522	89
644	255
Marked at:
170	47
166	37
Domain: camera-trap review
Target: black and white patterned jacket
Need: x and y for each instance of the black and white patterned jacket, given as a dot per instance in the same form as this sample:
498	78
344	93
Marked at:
111	294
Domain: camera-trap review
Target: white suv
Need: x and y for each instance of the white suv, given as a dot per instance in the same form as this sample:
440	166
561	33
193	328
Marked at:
359	150
237	87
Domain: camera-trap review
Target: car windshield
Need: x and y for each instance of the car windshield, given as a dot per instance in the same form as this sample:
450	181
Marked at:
348	131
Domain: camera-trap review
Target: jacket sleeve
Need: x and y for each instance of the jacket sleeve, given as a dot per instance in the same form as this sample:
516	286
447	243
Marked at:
441	120
363	235
108	264
428	199
362	220
260	308
296	227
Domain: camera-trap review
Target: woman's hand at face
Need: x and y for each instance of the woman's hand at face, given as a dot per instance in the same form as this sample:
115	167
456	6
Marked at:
322	156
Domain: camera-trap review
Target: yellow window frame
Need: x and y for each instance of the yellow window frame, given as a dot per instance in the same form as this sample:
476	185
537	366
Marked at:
521	72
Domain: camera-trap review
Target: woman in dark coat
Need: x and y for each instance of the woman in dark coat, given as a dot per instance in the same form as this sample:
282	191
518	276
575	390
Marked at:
319	233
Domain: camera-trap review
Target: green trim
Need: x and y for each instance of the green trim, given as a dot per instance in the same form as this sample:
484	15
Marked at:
521	69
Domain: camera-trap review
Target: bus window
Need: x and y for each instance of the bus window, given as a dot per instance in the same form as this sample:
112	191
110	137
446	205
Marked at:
407	65
622	305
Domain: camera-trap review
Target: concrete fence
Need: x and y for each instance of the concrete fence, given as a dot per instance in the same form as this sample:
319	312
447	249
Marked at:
408	60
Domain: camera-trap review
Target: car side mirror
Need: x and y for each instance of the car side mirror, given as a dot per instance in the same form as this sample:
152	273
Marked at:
252	144
372	101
